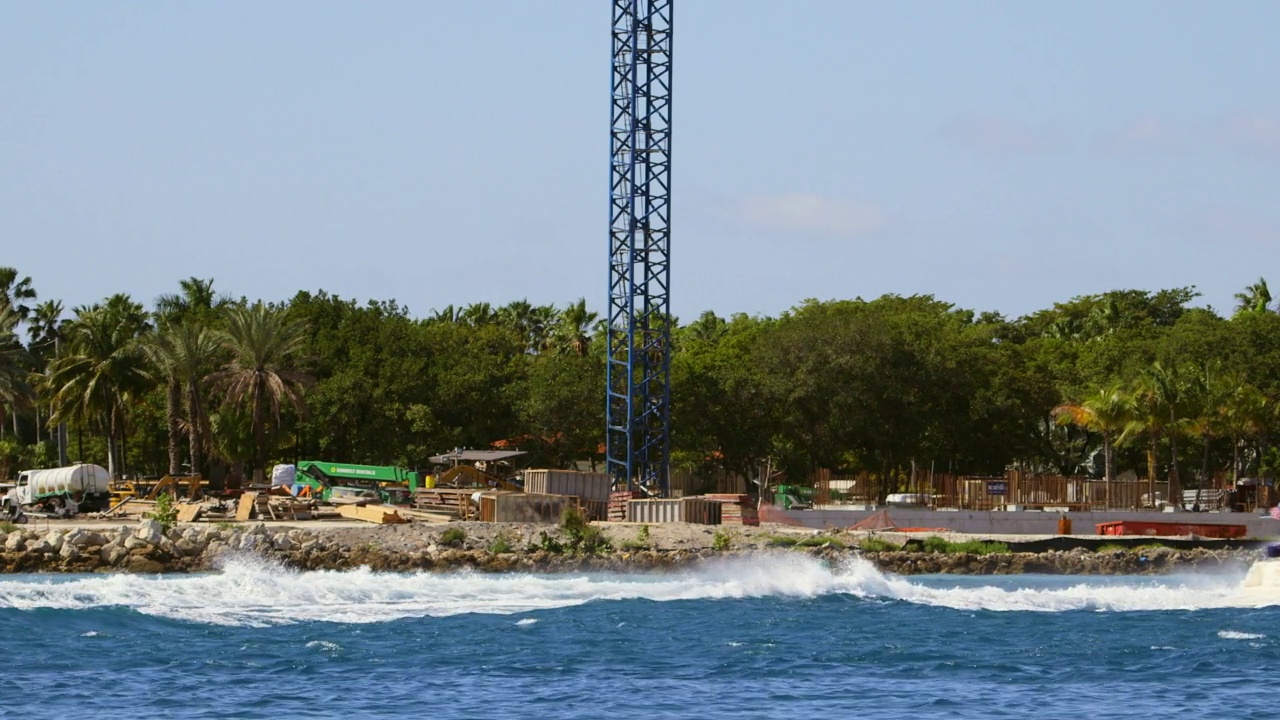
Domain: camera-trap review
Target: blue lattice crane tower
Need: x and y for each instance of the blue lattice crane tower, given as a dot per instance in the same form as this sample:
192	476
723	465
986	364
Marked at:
638	413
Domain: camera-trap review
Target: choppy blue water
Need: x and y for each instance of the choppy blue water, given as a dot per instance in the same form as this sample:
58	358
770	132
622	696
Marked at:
769	637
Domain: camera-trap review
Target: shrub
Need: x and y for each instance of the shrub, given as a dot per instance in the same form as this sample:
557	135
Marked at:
980	547
500	544
641	542
877	545
722	540
546	543
937	544
583	537
453	537
165	513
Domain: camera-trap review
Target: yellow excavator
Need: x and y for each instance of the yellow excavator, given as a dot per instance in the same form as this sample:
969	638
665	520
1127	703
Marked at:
187	487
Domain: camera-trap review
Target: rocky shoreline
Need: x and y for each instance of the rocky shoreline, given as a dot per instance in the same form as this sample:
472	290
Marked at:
147	548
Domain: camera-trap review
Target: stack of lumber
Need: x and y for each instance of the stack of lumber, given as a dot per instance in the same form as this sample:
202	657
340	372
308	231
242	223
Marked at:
735	509
618	504
289	508
455	502
381	514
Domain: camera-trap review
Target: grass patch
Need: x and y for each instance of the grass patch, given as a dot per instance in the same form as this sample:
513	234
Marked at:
820	540
722	540
453	537
7	527
935	544
878	545
1117	547
783	540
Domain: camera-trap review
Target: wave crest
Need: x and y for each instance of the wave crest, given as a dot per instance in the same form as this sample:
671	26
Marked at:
251	592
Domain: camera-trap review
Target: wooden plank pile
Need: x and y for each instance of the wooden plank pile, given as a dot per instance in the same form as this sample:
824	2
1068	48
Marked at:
189	511
736	509
618	504
448	501
381	514
244	509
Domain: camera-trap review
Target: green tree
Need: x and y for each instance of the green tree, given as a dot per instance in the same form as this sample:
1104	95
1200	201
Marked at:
572	331
264	345
1106	412
16	292
102	367
184	354
15	389
1254	298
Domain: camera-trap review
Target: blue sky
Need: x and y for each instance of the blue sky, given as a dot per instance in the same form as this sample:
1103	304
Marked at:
999	155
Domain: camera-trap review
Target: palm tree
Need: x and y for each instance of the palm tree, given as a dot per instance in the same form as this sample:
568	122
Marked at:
573	330
1208	392
198	347
1244	415
14	292
1106	412
1158	410
709	327
477	314
164	357
181	351
260	377
15	390
448	315
195	298
102	367
1254	298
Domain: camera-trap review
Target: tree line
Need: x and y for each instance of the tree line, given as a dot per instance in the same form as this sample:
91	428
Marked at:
1094	384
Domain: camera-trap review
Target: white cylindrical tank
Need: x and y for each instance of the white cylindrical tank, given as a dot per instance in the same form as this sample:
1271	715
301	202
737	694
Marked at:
82	478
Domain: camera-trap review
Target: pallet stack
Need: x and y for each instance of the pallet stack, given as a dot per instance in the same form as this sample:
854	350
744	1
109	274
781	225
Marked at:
736	509
618	504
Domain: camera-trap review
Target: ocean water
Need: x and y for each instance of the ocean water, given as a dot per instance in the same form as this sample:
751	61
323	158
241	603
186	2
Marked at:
767	637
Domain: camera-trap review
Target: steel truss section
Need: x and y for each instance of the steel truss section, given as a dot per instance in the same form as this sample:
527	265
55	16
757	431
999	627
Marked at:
638	413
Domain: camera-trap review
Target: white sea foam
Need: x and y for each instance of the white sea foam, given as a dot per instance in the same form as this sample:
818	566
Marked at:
252	593
1237	635
524	622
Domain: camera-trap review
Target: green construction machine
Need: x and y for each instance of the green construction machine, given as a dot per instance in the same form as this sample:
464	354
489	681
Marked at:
793	497
328	479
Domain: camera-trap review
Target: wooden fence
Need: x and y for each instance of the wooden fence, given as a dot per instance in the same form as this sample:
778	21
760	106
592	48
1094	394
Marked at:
1033	492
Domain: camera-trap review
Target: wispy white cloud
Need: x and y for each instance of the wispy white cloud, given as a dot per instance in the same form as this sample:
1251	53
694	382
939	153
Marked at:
808	214
994	135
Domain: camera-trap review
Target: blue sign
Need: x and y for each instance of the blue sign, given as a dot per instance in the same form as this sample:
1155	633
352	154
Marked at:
997	487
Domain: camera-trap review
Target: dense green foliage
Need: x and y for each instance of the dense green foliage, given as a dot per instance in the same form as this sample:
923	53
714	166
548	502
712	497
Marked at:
1097	384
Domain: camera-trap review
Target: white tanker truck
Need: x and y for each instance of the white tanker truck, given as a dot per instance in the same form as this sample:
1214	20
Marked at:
64	491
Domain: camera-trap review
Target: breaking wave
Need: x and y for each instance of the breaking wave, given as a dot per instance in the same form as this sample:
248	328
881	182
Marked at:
253	593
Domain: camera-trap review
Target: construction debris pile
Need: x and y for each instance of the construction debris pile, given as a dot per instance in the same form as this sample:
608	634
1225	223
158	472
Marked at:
462	493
